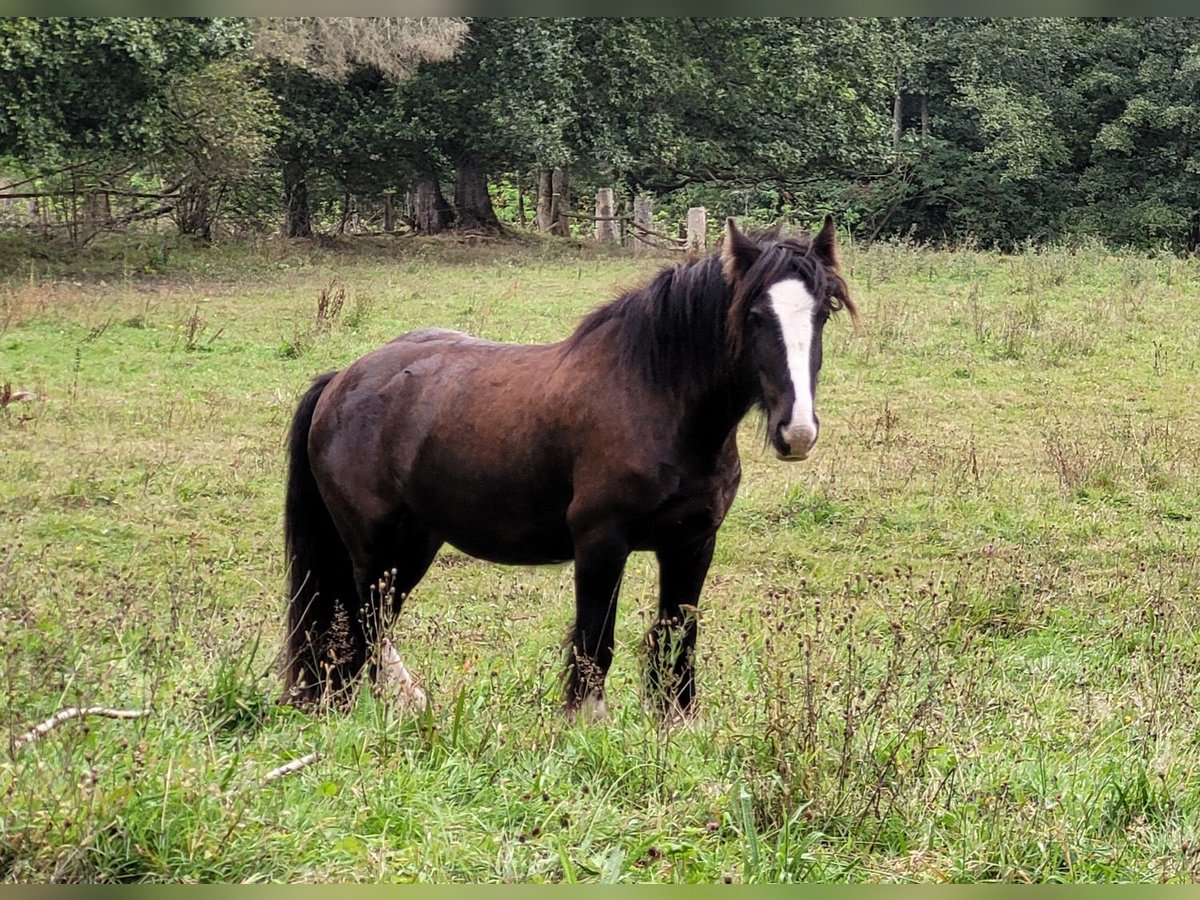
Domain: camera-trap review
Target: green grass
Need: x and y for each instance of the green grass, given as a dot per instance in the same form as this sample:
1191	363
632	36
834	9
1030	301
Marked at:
959	644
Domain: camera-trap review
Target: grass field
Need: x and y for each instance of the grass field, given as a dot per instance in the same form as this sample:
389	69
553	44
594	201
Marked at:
960	643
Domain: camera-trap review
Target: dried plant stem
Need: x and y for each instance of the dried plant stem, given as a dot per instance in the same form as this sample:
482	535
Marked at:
288	768
75	712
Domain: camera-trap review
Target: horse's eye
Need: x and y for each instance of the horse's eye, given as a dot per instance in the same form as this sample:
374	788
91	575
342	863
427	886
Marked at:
755	315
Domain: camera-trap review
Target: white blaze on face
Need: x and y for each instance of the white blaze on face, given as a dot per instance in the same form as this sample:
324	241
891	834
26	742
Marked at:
794	306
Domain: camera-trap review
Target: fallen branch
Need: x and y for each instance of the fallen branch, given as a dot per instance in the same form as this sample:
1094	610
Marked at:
75	712
640	233
288	768
117	192
32	178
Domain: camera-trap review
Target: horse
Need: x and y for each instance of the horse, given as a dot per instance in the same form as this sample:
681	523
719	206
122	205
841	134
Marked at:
622	437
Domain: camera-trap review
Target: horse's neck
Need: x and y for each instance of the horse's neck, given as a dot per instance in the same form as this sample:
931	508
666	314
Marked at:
712	415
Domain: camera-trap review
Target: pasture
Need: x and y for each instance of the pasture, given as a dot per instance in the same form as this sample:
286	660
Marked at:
961	642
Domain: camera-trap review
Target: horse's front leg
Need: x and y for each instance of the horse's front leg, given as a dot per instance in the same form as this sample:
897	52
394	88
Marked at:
671	642
599	564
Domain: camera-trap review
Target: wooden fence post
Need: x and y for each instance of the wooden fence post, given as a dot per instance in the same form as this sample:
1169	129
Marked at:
560	203
697	229
606	223
643	216
544	189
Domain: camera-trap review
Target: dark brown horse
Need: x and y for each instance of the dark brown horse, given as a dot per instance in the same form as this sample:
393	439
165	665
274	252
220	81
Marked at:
620	438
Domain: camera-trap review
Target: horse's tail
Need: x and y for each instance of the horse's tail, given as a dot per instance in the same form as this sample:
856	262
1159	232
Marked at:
320	570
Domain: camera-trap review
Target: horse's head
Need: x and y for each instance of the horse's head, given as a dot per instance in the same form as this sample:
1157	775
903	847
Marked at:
784	290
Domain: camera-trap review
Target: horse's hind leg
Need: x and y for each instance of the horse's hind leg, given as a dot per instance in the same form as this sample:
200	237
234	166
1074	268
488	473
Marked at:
671	643
386	573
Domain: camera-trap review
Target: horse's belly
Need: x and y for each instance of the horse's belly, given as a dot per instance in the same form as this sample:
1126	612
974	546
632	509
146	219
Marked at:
497	519
523	554
510	542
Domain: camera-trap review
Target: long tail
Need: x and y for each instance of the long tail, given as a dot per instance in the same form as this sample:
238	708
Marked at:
319	568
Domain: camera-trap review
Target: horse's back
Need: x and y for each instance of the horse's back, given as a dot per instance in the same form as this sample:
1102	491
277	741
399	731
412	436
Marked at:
443	336
436	379
460	431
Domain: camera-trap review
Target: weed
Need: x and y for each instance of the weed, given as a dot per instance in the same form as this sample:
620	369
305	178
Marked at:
357	317
193	332
330	301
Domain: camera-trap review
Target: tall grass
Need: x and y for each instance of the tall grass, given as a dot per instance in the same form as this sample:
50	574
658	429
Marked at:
956	645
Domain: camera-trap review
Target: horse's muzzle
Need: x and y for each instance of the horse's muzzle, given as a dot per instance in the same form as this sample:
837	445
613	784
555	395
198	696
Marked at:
794	442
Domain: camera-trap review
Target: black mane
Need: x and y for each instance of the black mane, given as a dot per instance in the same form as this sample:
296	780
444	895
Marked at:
682	330
671	329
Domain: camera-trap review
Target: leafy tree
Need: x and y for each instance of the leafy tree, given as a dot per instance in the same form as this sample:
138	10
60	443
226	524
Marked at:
220	124
502	104
71	85
984	147
1141	181
668	102
332	78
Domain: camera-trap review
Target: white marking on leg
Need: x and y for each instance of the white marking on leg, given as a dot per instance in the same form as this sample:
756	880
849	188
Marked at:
396	680
794	306
592	709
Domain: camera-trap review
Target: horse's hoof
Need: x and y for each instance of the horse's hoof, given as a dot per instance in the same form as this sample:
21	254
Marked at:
591	710
676	716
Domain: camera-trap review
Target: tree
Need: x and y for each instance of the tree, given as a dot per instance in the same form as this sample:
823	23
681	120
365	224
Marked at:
71	86
220	124
331	78
731	101
1141	178
502	104
991	155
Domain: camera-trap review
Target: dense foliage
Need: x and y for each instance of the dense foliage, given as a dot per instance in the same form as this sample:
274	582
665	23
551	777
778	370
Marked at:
962	130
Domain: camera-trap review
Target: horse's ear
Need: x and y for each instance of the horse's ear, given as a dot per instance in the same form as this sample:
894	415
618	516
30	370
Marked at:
738	252
824	242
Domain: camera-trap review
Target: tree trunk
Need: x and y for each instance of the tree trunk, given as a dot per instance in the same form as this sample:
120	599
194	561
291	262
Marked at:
924	115
347	211
193	212
520	204
389	214
560	206
897	117
96	207
545	190
431	212
472	201
297	220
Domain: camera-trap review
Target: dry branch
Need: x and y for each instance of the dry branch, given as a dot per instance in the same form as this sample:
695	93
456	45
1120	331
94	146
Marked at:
116	192
49	174
75	712
288	768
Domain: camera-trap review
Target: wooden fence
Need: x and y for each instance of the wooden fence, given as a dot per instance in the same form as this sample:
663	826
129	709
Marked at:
613	229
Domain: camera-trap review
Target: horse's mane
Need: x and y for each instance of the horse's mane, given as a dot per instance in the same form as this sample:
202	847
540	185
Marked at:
670	329
683	328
